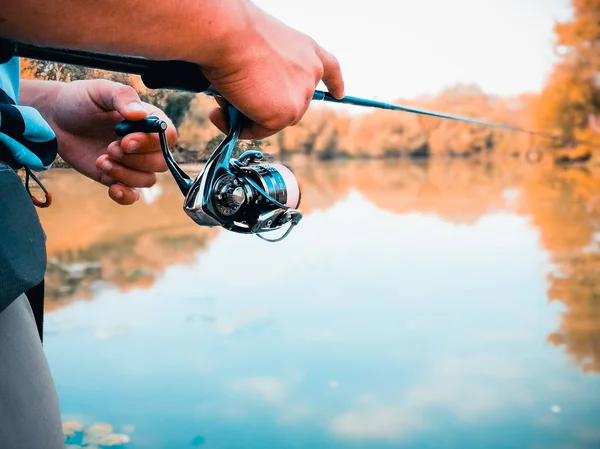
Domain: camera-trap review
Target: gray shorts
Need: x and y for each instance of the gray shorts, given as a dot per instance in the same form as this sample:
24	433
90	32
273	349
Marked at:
29	411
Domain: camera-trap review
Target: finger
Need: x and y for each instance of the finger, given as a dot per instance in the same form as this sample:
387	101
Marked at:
256	132
332	73
112	96
221	102
151	162
122	195
113	171
218	117
140	143
221	114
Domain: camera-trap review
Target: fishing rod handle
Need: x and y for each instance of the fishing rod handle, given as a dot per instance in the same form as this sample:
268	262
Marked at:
150	124
169	74
175	75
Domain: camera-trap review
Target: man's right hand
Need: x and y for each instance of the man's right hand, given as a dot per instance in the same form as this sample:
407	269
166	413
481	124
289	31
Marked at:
269	73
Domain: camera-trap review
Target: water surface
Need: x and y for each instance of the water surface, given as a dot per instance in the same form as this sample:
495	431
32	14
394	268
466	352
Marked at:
435	305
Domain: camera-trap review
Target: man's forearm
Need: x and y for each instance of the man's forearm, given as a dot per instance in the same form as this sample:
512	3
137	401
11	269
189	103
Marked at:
193	30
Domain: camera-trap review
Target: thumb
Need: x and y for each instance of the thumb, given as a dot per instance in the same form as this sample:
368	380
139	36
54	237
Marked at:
112	96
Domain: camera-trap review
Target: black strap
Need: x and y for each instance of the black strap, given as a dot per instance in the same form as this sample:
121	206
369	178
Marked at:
36	301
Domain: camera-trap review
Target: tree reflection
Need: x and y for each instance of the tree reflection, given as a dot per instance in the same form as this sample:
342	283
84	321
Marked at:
93	242
564	206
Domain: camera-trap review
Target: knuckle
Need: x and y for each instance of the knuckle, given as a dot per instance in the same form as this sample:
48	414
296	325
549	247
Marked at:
302	109
291	117
297	119
280	121
290	110
123	90
103	83
335	63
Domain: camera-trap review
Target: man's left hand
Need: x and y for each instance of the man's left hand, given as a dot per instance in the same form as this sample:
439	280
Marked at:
84	117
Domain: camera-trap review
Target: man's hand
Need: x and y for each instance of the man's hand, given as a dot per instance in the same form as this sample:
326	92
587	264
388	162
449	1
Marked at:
270	74
84	115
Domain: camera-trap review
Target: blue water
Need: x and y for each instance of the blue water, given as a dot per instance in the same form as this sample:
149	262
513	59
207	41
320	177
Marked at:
364	329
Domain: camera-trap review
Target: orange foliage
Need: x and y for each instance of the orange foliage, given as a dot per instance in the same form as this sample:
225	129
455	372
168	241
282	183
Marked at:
572	92
27	69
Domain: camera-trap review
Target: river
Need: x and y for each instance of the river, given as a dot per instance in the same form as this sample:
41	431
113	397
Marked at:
450	304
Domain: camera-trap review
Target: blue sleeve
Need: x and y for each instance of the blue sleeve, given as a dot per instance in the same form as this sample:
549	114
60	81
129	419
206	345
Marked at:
25	137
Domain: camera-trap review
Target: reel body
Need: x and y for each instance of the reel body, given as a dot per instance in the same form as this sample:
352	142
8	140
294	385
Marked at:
244	195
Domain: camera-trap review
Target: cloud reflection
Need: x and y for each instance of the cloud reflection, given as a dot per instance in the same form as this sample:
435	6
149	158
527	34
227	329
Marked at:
468	389
266	389
376	420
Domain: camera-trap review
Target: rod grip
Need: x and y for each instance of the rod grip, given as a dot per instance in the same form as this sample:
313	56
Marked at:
150	124
176	75
169	74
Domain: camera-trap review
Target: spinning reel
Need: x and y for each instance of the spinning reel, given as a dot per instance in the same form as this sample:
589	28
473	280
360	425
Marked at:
243	195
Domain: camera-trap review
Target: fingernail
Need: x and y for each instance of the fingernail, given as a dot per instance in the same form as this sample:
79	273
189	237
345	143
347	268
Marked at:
106	165
133	145
119	194
134	106
116	152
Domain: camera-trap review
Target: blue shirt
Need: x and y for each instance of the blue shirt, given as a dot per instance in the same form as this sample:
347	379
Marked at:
26	138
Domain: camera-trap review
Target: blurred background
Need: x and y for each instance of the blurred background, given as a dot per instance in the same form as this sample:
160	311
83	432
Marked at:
442	290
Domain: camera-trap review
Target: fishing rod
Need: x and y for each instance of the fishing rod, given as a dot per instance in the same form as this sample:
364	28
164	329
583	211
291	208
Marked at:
243	195
357	101
182	75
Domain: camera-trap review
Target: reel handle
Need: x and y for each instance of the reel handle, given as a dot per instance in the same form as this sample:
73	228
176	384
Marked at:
153	124
150	124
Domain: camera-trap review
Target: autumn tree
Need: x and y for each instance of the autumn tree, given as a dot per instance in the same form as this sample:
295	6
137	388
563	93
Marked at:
572	93
51	71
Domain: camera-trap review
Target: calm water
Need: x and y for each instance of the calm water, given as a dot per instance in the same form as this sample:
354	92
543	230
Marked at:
449	305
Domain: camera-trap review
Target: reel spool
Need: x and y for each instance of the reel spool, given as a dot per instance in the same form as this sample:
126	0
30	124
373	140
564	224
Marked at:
243	195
